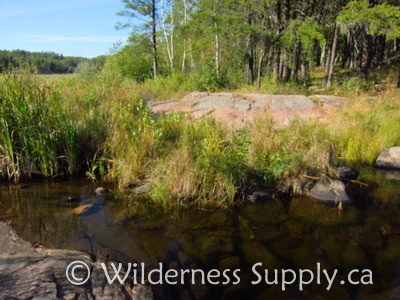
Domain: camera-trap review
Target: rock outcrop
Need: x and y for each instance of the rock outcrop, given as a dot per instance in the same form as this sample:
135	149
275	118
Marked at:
235	110
36	273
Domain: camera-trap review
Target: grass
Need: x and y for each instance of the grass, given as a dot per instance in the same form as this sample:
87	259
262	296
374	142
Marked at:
102	127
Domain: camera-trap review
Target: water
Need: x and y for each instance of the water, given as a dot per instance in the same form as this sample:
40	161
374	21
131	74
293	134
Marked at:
296	234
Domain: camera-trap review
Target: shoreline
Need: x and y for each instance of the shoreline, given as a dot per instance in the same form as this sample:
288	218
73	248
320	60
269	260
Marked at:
27	272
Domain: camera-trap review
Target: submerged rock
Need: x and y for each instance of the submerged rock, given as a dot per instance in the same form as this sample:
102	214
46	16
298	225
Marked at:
389	159
391	174
331	192
259	194
82	209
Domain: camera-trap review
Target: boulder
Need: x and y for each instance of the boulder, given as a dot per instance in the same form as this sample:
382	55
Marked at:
389	159
347	173
331	192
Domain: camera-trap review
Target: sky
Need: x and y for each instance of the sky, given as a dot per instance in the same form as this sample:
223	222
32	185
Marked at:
69	27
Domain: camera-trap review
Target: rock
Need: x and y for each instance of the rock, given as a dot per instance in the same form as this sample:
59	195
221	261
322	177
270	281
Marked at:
389	159
331	192
230	262
82	209
308	211
141	292
258	194
235	110
142	189
273	212
257	253
29	273
99	191
347	173
391	174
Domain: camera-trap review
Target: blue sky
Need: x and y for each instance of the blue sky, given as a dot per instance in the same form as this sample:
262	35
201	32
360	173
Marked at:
69	27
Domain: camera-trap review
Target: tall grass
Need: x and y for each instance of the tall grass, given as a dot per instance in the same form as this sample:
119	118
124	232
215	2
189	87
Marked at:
34	130
102	126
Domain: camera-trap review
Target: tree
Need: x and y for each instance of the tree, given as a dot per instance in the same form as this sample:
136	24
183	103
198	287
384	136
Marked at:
377	22
145	11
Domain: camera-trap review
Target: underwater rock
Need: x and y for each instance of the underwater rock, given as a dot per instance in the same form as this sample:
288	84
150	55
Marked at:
230	262
256	253
388	159
82	209
272	213
330	191
391	174
258	195
308	211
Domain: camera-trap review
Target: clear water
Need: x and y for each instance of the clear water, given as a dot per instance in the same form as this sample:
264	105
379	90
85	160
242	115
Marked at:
296	234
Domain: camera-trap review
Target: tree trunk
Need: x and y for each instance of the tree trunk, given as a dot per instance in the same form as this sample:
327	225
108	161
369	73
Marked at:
296	61
277	56
366	55
185	18
154	38
303	68
250	60
346	50
260	61
216	54
333	56
285	66
169	43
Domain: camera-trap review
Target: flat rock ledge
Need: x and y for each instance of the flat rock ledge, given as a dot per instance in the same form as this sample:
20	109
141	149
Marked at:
35	273
235	110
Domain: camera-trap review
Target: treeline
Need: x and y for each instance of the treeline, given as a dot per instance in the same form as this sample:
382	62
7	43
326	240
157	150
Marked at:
41	62
243	41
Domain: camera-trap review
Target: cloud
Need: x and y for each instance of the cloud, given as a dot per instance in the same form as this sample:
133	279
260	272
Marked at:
88	39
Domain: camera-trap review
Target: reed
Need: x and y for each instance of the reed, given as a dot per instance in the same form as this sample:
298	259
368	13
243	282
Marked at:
103	128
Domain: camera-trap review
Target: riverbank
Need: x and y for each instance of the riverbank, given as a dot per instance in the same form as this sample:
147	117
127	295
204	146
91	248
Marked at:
29	271
196	149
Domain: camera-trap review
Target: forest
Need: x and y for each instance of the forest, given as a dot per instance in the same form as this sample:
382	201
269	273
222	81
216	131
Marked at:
40	62
233	43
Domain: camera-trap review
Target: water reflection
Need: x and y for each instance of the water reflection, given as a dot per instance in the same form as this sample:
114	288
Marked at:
295	235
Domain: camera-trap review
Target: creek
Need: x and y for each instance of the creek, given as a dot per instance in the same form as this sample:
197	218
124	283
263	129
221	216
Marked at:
297	234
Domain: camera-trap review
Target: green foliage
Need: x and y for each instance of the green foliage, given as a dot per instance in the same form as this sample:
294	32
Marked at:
380	19
205	164
41	62
207	79
135	60
35	132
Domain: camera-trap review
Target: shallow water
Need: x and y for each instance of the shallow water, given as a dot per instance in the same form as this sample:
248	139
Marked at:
296	234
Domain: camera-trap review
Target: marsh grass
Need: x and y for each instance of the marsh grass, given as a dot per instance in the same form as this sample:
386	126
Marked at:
103	128
34	131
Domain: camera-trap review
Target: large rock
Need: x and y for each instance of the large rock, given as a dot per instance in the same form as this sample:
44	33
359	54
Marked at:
389	159
331	192
236	110
36	273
